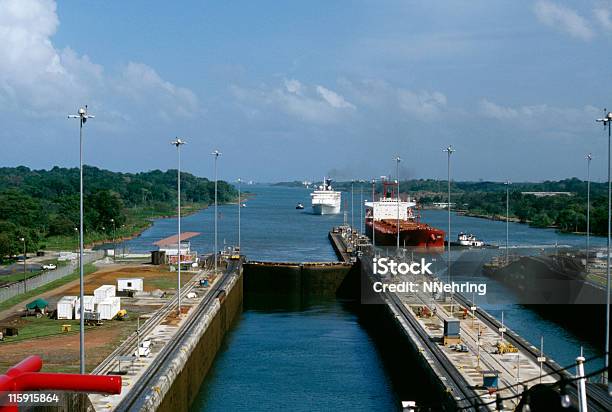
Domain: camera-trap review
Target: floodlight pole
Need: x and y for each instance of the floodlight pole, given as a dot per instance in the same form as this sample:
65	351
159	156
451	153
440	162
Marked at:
449	150
82	116
24	264
216	154
397	162
507	183
178	143
607	121
588	157
239	207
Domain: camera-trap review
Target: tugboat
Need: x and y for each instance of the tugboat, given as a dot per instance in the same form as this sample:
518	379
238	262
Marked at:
469	240
299	206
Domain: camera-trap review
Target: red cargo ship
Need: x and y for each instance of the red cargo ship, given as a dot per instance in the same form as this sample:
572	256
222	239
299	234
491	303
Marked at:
382	216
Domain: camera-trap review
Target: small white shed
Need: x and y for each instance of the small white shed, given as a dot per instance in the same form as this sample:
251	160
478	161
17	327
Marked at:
89	303
104	291
65	307
109	307
130	284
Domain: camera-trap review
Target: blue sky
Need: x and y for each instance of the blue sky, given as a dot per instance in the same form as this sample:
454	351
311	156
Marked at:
297	90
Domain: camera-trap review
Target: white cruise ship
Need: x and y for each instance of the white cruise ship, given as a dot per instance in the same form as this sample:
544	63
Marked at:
325	200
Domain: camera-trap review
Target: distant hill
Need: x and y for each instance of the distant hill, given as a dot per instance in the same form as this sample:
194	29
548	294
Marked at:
36	204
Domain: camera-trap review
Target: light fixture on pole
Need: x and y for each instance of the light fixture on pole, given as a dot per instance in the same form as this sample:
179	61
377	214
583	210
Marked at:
352	198
178	143
216	154
25	253
83	116
114	239
588	157
361	182
239	207
397	162
607	121
507	183
372	215
449	150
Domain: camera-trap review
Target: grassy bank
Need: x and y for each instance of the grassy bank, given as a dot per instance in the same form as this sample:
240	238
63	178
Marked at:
138	219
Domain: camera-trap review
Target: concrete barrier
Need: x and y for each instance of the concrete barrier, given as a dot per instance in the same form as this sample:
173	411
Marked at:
14	289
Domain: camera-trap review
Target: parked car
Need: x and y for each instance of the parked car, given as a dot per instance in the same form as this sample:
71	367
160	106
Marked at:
49	266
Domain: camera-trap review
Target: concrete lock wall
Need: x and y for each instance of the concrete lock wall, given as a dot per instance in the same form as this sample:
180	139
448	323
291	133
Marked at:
186	384
328	279
14	289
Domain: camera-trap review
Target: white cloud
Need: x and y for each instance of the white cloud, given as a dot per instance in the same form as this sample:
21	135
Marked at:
379	95
294	86
37	77
540	114
315	104
334	99
422	103
604	17
563	18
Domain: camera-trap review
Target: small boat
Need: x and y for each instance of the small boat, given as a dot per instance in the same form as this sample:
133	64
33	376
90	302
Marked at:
470	240
243	205
299	206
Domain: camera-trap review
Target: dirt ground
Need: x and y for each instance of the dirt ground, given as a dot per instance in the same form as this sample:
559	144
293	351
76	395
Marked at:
154	276
60	351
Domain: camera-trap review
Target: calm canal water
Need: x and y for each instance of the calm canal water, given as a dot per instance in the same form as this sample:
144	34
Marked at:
315	355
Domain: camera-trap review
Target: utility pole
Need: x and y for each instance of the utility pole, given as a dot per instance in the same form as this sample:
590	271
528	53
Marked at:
82	116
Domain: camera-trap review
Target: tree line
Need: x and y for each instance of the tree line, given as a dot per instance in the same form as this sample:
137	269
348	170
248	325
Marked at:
567	213
36	204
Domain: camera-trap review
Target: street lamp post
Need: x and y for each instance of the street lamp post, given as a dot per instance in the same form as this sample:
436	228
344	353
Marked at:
361	206
507	183
24	264
397	162
216	154
352	198
239	207
114	240
588	157
607	121
178	143
449	151
373	200
82	115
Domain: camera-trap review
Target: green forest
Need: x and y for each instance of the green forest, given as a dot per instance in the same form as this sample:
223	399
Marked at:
43	205
566	213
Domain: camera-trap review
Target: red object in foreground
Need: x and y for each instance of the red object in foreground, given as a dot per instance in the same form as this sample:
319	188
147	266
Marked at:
25	377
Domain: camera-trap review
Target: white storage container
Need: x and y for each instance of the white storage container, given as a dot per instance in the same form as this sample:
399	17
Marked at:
65	307
104	291
130	284
88	301
109	307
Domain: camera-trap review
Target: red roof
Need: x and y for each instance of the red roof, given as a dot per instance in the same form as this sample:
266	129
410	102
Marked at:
173	240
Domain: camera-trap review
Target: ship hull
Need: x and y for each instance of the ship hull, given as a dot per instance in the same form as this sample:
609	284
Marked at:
321	209
411	235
